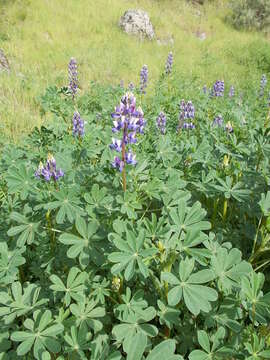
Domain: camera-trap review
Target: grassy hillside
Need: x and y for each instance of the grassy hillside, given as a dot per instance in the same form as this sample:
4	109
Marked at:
40	36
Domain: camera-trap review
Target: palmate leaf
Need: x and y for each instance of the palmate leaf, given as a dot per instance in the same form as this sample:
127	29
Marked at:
251	289
20	180
67	205
237	191
99	202
41	335
19	302
131	304
184	218
10	261
77	342
209	351
168	315
229	268
164	350
27	229
75	285
84	246
129	204
131	255
196	297
87	313
132	325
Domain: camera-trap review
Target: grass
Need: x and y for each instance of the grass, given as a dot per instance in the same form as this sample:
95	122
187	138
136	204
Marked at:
40	36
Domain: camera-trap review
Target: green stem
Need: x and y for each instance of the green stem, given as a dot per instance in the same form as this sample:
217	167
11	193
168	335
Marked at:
225	208
255	239
253	315
52	233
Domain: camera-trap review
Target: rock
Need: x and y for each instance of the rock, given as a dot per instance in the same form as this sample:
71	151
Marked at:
137	22
4	65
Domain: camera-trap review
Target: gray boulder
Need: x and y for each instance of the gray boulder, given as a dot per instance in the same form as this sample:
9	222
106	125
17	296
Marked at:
4	65
137	22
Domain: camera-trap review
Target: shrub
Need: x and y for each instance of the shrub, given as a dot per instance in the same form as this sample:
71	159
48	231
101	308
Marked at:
250	14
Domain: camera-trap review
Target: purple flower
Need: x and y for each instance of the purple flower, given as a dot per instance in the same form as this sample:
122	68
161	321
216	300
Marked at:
118	163
131	138
169	63
131	86
161	122
218	88
116	145
49	171
130	158
187	111
204	89
143	79
78	125
128	121
231	92
73	77
218	121
188	126
263	84
229	127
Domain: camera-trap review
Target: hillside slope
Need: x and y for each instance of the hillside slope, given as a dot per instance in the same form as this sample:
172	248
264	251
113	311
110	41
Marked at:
40	36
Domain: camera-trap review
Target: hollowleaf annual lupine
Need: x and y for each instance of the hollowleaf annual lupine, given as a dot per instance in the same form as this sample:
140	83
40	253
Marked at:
161	122
263	84
187	112
73	77
218	88
143	79
78	125
169	63
49	171
127	122
218	121
232	91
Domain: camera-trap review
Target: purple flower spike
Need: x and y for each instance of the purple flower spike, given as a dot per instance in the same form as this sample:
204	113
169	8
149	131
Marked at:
218	88
187	112
78	125
49	171
205	89
218	121
118	163
128	121
169	63
231	92
143	79
263	84
161	122
73	77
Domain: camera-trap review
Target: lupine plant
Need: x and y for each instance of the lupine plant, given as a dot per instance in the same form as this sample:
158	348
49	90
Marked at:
187	112
169	63
176	266
73	77
127	122
143	79
218	88
161	122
